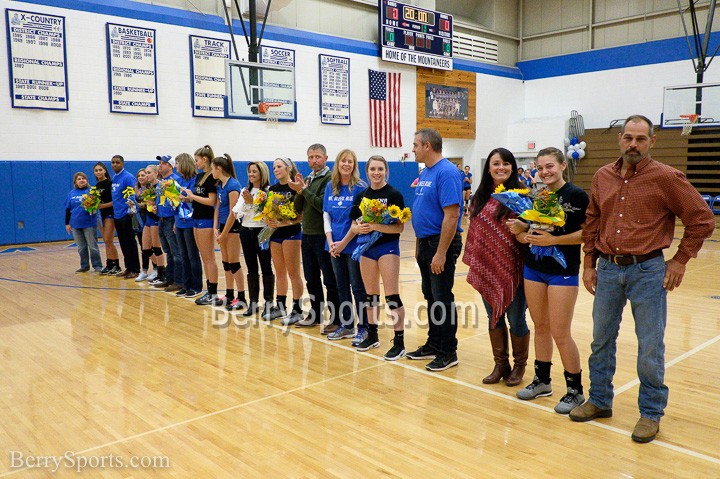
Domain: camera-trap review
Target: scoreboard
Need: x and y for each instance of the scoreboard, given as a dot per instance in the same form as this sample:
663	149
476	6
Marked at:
415	36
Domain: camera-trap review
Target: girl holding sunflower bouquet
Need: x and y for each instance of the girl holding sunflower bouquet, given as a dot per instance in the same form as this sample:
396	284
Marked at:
551	288
151	246
382	258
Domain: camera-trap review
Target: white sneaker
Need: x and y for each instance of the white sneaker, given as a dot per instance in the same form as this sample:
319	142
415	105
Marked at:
152	276
141	277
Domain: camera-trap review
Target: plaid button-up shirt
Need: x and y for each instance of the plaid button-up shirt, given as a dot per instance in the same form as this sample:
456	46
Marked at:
635	214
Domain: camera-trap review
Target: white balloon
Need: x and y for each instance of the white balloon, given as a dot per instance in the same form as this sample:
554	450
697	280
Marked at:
576	147
569	154
583	145
581	153
567	141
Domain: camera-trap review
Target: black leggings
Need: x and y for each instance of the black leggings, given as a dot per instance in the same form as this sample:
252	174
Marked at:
253	253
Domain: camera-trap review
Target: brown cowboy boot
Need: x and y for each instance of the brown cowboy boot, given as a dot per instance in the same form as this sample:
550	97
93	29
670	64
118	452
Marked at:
499	342
520	348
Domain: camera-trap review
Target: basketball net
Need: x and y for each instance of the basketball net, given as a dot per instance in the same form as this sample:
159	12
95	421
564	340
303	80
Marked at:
269	109
692	120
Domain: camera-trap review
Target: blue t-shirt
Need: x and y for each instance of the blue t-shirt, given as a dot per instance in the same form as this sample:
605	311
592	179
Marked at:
438	186
166	209
183	214
338	207
79	217
223	194
119	182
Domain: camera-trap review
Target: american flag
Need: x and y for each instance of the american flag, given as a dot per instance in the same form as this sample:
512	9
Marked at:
385	109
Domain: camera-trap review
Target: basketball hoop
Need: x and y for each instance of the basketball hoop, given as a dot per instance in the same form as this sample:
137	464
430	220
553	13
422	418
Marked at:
269	109
692	120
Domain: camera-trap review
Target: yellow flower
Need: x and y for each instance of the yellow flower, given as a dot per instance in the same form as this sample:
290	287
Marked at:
520	191
394	211
500	188
405	215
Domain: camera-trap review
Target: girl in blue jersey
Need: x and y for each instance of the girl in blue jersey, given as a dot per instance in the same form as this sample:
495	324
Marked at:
227	231
151	246
82	225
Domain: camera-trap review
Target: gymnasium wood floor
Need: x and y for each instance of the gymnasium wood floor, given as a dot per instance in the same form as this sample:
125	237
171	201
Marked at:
97	366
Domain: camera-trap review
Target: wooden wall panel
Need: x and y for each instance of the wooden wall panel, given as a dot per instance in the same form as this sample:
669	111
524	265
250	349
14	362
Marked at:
697	155
447	128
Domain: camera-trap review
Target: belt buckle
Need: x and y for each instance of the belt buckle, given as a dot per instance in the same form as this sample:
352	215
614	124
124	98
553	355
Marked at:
614	260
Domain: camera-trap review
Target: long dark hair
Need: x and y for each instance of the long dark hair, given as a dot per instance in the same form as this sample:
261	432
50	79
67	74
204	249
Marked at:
487	185
225	162
100	163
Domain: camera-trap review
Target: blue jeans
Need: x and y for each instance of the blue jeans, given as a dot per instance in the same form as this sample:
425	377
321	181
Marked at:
347	275
316	260
515	314
174	270
642	285
190	259
437	290
86	239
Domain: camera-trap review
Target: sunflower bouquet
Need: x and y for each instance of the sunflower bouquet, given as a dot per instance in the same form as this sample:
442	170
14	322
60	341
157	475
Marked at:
373	211
148	196
542	209
91	200
170	191
273	206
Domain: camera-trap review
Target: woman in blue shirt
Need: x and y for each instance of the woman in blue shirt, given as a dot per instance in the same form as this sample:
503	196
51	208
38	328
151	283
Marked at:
340	193
227	232
82	225
184	223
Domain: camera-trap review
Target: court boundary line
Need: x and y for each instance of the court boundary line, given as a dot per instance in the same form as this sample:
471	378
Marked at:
400	363
671	363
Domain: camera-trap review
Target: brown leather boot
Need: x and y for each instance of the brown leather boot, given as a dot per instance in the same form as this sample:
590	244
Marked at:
520	347
499	342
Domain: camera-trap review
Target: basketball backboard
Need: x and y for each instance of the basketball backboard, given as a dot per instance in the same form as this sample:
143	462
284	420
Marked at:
249	84
681	101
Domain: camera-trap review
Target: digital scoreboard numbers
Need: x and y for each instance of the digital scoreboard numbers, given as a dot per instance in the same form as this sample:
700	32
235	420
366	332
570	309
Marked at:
415	36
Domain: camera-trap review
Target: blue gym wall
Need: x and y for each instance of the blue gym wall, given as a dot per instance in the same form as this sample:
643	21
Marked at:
40	207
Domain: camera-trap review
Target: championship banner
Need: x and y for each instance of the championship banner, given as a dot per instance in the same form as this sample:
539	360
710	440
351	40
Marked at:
37	60
207	75
334	90
132	69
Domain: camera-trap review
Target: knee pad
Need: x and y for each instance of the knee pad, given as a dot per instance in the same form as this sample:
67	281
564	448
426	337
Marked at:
226	266
234	267
393	301
147	253
157	250
373	300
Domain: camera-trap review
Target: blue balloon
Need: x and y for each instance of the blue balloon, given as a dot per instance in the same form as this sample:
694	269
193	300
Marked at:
575	155
574	140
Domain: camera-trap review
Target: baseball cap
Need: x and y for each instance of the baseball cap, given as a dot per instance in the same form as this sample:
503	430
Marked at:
166	159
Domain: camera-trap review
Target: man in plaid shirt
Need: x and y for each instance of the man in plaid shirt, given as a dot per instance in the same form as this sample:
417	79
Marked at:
630	221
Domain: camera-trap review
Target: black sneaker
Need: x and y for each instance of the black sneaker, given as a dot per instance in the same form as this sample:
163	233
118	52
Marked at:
206	299
370	342
181	292
423	352
397	351
191	293
442	362
82	270
115	271
105	270
252	310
